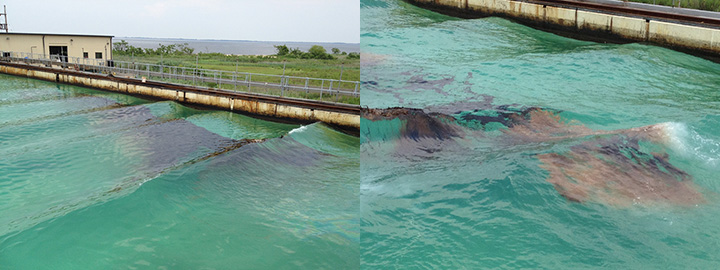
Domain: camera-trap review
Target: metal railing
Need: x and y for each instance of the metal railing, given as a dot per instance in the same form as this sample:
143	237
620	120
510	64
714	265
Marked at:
279	85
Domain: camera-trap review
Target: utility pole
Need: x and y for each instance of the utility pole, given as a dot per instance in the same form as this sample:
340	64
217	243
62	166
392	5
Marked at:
4	26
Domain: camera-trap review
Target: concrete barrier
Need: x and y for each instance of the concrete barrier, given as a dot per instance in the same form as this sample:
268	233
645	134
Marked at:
297	110
592	24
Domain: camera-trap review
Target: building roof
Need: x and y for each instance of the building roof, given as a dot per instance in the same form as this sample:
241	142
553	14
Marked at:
50	34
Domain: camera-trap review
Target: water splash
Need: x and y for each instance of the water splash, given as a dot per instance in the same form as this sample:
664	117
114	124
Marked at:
687	142
299	129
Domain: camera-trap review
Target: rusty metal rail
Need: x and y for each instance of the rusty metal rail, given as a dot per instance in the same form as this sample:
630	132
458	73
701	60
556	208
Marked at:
620	10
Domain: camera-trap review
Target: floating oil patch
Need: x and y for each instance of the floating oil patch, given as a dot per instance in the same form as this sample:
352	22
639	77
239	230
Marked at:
490	118
605	166
418	124
613	171
473	104
71	183
291	153
421	82
413	81
616	172
130	145
534	124
372	83
421	134
538	125
237	144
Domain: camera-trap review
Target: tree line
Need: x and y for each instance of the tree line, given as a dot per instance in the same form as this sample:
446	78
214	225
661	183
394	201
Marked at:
315	52
123	48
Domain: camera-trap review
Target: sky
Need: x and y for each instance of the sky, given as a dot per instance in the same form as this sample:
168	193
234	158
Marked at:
259	20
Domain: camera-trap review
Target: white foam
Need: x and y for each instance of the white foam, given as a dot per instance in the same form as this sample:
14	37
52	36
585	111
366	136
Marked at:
690	144
705	148
301	128
676	134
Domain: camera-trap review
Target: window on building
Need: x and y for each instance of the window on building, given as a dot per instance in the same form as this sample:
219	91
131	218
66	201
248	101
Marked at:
6	54
85	55
98	55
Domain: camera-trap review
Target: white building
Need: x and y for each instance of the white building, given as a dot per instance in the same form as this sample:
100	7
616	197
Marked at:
58	46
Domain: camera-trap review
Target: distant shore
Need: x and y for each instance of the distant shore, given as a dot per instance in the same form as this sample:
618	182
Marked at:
235	47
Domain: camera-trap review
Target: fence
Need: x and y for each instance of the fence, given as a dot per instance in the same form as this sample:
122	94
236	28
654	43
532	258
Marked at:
279	85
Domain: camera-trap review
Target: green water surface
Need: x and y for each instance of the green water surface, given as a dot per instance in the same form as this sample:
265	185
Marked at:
96	180
480	203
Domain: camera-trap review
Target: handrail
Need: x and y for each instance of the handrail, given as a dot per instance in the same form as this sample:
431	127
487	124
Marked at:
240	81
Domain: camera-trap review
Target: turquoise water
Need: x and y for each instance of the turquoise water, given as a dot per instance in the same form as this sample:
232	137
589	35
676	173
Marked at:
493	195
96	180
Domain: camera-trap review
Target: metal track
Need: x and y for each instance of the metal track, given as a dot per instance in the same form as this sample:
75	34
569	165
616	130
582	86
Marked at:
631	11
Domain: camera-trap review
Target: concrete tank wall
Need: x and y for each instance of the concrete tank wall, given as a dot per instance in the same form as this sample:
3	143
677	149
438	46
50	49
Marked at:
258	106
591	23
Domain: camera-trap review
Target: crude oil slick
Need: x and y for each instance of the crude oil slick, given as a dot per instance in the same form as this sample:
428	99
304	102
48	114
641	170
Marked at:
488	144
605	166
99	180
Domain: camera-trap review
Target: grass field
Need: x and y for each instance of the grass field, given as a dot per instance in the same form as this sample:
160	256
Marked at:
313	68
272	65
